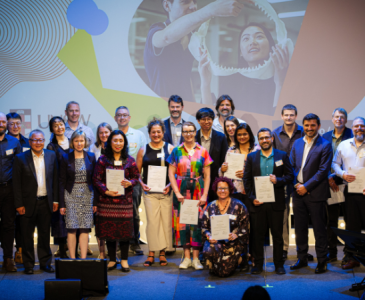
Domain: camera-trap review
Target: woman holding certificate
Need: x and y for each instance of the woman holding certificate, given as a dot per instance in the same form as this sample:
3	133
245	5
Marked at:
114	221
191	163
224	256
152	159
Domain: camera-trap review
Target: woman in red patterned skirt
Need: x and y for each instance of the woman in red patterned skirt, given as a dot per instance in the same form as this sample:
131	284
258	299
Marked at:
114	221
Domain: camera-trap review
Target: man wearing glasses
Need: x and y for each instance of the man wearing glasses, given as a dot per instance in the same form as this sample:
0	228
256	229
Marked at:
275	165
136	140
9	147
15	128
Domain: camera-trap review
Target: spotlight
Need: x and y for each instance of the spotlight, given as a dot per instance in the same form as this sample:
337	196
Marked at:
140	209
342	224
35	234
293	236
141	223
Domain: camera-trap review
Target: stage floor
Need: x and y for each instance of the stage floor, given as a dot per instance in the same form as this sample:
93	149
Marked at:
169	282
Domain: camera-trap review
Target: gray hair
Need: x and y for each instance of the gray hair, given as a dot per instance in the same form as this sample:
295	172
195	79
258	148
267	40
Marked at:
340	110
72	102
35	131
121	107
75	135
359	118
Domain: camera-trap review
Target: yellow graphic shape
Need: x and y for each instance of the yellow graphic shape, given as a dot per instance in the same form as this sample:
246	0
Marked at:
79	57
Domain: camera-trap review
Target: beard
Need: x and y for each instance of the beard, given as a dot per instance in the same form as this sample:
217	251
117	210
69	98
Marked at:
176	115
225	113
266	147
359	137
2	131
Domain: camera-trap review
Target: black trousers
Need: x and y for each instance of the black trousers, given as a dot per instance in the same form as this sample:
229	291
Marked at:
112	250
42	219
304	207
137	194
266	218
18	234
8	214
333	213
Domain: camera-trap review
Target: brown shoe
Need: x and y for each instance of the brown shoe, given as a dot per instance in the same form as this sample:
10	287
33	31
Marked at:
351	264
9	265
18	258
57	253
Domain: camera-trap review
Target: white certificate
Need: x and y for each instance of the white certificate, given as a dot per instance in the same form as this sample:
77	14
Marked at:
358	185
337	197
235	162
189	212
220	227
114	179
264	189
156	179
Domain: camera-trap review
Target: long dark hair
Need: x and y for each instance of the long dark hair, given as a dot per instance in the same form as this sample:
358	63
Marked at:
241	61
50	125
108	148
231	119
249	131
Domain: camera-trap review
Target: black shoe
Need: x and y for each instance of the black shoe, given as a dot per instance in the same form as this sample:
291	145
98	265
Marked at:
47	269
113	267
125	270
321	268
136	249
285	255
310	257
299	264
244	266
256	270
280	271
331	258
29	271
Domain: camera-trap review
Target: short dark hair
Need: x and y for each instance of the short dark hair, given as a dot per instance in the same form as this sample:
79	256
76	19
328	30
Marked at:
223	179
256	292
250	133
154	122
188	123
289	107
13	115
177	99
341	111
221	99
311	116
204	113
50	125
264	129
108	147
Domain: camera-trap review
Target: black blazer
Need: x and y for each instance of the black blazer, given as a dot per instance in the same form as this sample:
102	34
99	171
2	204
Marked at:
25	180
167	136
217	151
67	174
284	175
316	167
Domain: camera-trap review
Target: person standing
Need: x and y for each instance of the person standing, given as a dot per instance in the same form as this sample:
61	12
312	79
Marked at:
284	138
311	159
173	124
35	198
136	140
349	154
9	147
275	164
214	142
230	125
335	137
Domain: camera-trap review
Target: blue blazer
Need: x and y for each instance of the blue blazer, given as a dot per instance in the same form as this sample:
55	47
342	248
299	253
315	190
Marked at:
316	168
167	136
284	175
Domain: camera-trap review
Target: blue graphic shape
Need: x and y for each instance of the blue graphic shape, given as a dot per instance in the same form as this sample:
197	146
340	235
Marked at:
84	14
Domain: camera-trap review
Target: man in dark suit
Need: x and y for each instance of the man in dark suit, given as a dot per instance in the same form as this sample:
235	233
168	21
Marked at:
36	197
173	125
275	164
335	137
214	141
311	158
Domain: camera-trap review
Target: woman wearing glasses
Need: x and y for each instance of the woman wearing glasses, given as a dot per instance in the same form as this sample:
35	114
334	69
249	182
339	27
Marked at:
224	256
190	162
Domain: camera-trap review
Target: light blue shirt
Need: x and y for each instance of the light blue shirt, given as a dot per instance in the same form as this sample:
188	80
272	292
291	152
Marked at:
136	140
88	131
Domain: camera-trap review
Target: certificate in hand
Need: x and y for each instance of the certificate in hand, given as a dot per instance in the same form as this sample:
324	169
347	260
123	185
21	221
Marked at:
220	227
358	185
114	179
156	179
337	197
189	212
235	162
264	189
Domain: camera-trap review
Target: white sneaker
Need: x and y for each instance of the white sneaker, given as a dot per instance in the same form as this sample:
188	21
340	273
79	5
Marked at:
197	265
185	264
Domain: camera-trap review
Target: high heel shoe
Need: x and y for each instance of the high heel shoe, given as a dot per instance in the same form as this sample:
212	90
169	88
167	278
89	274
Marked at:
113	267
125	270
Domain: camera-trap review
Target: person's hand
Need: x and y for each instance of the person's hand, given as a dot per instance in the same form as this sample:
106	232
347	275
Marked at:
280	58
145	187
202	200
21	210
333	185
112	194
301	190
210	240
228	8
239	174
349	177
180	198
224	167
55	207
95	209
126	183
166	190
62	211
363	191
232	236
273	179
257	202
204	68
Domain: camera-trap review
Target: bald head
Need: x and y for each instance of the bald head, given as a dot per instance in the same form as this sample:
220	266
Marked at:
3	122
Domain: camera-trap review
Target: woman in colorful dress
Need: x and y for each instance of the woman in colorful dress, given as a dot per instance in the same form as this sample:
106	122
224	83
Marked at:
190	162
114	221
224	256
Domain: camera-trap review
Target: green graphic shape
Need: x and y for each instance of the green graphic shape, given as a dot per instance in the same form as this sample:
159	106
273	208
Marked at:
79	57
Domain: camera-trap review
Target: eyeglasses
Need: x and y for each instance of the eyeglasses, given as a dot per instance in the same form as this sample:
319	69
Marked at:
122	116
222	189
265	138
18	124
206	120
189	132
37	141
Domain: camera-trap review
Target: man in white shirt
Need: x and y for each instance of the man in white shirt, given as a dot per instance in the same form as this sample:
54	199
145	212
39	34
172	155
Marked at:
136	140
36	197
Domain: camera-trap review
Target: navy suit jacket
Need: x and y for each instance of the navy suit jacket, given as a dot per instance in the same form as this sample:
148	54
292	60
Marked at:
67	174
167	136
284	176
25	180
316	168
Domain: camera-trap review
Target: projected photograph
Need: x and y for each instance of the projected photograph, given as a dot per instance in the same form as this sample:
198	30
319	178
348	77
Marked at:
243	51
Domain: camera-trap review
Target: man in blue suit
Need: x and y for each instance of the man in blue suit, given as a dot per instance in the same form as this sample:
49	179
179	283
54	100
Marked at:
174	124
311	158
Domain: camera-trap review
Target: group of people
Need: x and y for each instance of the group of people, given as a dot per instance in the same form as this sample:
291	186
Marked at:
63	187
